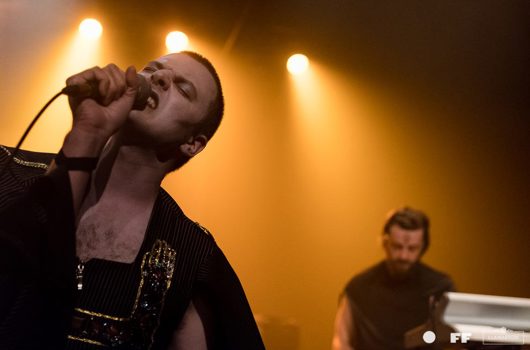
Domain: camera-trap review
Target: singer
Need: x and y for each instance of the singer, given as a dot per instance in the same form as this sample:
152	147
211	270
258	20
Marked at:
380	304
104	257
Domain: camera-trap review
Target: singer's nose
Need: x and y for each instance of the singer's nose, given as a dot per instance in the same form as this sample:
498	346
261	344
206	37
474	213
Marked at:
161	78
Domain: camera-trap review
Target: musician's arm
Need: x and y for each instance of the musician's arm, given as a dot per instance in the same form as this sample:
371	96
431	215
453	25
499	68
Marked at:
344	330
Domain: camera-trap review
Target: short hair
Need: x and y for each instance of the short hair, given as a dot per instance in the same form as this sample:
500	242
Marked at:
211	121
409	219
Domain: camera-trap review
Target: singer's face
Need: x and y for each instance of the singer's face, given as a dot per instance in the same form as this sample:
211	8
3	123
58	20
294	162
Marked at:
183	90
403	249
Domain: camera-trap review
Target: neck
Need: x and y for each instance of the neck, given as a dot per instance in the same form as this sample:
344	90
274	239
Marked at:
128	169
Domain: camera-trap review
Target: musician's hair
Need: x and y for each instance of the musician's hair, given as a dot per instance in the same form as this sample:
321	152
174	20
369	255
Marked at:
213	118
211	121
409	219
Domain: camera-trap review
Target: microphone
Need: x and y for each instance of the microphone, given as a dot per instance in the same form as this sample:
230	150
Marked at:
90	90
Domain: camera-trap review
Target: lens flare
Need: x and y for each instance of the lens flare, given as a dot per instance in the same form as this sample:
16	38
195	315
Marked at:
297	64
176	41
90	29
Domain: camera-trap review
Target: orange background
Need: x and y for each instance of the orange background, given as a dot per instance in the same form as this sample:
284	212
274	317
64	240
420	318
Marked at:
297	182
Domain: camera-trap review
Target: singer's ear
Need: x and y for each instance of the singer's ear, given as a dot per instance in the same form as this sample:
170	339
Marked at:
181	154
194	145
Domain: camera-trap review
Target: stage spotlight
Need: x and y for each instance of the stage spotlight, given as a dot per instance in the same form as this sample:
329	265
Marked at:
297	64
176	41
90	28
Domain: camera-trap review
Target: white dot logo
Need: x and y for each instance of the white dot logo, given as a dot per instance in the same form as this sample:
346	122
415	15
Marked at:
429	337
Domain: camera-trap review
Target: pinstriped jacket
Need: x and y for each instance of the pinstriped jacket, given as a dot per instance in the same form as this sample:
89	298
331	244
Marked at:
118	295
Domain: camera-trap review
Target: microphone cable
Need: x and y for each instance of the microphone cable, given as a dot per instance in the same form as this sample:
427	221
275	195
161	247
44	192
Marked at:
87	90
28	129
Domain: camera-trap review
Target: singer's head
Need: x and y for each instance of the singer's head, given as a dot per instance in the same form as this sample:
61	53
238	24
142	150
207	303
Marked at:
405	240
185	108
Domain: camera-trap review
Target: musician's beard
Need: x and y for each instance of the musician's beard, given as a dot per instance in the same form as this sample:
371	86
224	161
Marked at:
400	269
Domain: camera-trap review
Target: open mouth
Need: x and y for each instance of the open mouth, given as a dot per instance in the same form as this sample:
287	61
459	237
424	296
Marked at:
152	100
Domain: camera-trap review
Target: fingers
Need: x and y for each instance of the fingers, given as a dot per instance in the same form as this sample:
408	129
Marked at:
128	94
131	77
110	82
116	86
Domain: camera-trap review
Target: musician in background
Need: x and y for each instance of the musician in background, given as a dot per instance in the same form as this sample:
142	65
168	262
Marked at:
381	303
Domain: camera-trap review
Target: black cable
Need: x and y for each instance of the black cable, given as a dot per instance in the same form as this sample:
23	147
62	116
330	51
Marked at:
28	129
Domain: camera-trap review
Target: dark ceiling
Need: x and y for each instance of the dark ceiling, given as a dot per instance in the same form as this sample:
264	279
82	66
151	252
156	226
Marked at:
455	46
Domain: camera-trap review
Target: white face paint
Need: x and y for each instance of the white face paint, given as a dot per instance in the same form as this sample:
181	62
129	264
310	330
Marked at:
183	90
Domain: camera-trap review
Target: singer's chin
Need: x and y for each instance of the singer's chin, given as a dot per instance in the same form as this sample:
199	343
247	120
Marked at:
136	117
134	130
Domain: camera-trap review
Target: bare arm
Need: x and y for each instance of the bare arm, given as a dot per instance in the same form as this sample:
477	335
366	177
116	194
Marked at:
191	334
94	122
344	332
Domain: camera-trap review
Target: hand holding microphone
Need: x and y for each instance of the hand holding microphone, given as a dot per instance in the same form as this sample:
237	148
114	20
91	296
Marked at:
101	98
90	90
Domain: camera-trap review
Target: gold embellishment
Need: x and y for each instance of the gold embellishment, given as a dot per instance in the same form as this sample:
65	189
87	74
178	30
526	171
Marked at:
84	340
204	229
25	162
161	256
157	268
160	252
97	314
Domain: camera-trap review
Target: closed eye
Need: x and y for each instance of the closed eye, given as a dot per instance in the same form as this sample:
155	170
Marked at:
185	88
182	90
